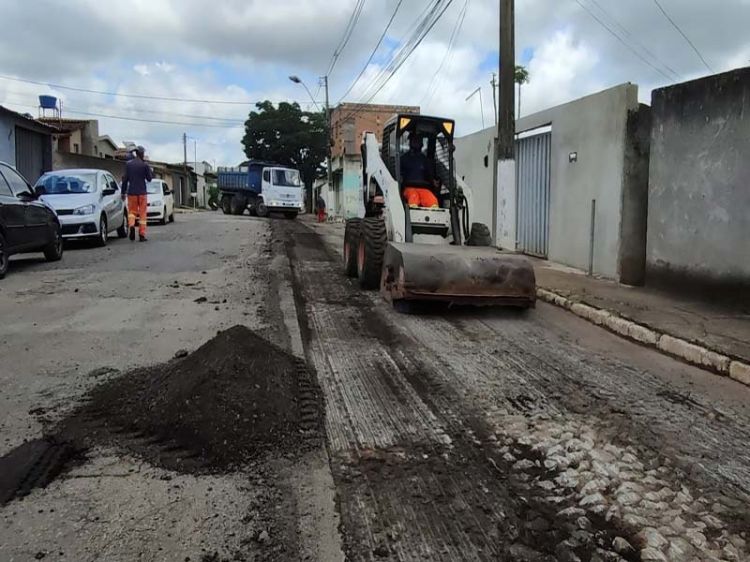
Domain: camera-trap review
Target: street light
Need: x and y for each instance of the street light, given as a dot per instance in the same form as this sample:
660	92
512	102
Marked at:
297	80
481	105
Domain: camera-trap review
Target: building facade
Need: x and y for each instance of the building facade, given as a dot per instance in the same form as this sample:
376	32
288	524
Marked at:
349	121
25	144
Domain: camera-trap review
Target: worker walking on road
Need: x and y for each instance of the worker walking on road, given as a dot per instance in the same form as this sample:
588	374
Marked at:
320	203
137	175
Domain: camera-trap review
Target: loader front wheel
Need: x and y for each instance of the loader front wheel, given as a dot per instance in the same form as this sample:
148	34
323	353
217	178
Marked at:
351	246
370	251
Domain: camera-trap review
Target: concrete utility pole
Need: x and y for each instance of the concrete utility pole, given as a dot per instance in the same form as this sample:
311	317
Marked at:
493	82
505	178
328	136
184	166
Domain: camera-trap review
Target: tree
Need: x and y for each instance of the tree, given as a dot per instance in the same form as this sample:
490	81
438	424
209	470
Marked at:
288	136
521	77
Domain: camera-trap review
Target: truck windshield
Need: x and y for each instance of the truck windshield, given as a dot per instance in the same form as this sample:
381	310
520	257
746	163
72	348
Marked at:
286	178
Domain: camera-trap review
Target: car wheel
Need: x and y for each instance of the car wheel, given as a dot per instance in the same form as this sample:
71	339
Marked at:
103	237
3	258
163	219
122	232
54	251
171	217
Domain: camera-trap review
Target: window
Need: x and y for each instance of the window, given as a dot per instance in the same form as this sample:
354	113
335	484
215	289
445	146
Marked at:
164	188
4	189
112	183
75	148
267	176
17	184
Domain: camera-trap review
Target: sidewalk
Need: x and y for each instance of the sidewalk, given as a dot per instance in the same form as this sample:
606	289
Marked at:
717	330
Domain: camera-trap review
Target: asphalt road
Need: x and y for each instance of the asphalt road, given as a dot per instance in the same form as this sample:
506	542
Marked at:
459	435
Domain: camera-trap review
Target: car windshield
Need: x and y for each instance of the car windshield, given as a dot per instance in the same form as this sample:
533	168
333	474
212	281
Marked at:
62	184
153	187
286	178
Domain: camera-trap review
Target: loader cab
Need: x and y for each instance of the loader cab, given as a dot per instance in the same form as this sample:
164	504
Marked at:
436	136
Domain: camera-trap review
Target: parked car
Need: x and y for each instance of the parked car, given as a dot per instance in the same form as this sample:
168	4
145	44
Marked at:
26	224
160	201
88	203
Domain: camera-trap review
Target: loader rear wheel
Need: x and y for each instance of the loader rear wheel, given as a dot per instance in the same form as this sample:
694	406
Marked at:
370	251
351	246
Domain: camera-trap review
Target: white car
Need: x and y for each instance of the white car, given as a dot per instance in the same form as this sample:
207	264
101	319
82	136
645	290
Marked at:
160	201
87	202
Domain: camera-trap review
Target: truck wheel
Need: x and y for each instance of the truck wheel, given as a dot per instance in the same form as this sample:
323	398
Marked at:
370	250
226	205
351	243
261	210
238	205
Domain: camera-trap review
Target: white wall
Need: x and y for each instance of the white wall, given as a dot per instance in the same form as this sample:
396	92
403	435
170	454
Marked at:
595	127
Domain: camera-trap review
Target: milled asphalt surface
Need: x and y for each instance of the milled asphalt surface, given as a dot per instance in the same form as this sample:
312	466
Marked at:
460	435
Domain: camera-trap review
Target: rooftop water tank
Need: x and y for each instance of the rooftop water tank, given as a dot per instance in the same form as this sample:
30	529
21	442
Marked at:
48	102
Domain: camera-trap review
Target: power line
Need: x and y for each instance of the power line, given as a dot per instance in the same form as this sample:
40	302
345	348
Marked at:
375	50
677	27
627	33
432	88
621	40
353	19
136	96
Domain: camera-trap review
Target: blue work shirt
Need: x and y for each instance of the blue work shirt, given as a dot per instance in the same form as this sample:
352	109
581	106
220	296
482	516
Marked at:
416	167
137	174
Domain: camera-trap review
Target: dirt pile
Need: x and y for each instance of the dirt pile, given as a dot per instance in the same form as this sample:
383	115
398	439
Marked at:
233	398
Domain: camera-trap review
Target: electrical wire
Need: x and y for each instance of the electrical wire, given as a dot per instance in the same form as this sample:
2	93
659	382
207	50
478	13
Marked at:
621	40
635	40
372	54
432	88
679	30
353	19
135	96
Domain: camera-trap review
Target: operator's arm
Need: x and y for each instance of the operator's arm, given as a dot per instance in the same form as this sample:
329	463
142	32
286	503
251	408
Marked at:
149	173
125	183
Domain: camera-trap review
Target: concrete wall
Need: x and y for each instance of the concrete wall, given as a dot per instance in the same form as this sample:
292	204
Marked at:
7	140
699	192
609	169
65	161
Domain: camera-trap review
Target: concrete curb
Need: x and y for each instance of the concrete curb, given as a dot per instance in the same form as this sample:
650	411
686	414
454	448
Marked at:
689	352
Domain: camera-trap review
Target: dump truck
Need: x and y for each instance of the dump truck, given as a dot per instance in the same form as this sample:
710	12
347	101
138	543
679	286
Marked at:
260	187
426	253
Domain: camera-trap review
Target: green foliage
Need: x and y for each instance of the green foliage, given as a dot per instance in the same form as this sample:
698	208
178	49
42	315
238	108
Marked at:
289	136
521	75
213	197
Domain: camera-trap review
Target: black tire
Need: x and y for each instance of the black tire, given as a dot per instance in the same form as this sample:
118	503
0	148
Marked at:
238	205
171	217
351	241
163	220
480	235
261	210
122	231
291	215
226	205
103	237
4	258
54	251
372	242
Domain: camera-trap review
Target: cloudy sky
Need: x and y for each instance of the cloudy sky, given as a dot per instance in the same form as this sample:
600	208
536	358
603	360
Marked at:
244	50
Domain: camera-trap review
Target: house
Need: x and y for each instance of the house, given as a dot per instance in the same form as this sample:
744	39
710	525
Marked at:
106	147
204	172
348	122
25	143
74	136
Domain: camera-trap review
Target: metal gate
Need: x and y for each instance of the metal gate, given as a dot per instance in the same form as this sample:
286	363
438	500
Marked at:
533	192
30	154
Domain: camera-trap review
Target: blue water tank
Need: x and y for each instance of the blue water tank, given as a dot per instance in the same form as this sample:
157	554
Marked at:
48	102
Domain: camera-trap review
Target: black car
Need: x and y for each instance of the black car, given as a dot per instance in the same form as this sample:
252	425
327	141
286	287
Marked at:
26	224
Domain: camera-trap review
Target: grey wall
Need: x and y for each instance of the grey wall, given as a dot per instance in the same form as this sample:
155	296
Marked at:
610	168
8	140
699	192
68	160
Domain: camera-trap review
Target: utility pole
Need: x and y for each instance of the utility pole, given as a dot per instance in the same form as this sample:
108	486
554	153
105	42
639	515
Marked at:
493	82
505	178
328	137
184	166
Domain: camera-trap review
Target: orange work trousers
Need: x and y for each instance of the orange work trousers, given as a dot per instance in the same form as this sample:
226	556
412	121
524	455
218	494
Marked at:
138	206
420	197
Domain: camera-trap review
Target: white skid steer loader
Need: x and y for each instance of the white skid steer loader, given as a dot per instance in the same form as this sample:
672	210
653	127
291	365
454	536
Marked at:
417	253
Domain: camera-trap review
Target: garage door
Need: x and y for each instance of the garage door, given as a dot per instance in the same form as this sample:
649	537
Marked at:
30	153
533	176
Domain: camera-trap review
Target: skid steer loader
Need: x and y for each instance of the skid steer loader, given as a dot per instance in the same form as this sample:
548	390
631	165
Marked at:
417	253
